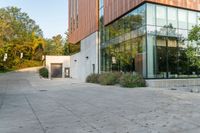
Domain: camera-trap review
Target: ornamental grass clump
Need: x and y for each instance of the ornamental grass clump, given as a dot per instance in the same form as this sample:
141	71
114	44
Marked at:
130	80
109	78
93	78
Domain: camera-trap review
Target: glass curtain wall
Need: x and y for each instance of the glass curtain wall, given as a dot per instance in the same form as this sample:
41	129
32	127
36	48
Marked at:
150	40
167	33
123	48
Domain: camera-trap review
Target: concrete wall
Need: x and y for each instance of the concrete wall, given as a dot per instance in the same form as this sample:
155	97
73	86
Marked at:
64	60
167	83
82	62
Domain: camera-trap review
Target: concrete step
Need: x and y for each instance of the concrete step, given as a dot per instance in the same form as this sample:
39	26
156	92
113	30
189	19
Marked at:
166	83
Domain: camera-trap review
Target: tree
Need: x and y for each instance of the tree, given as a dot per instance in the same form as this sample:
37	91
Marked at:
66	48
18	33
57	40
69	48
193	47
55	46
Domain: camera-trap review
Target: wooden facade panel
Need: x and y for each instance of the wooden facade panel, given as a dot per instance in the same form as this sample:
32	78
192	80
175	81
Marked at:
115	8
87	19
88	13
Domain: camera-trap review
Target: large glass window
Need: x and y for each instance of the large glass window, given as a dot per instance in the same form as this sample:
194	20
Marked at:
182	60
161	58
151	14
172	17
161	15
141	15
198	18
192	19
172	59
127	24
182	19
151	55
152	42
137	17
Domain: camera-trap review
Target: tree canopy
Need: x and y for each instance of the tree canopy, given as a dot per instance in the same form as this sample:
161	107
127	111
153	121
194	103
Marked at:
19	34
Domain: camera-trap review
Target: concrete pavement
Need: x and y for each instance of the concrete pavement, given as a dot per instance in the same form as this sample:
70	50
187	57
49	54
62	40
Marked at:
29	104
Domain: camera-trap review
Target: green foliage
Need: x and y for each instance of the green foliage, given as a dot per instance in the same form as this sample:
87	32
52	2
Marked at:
191	54
192	50
108	78
26	64
194	34
132	80
44	72
69	48
74	48
124	57
55	46
19	34
92	78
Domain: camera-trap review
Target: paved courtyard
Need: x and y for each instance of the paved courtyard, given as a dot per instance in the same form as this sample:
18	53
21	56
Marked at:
29	104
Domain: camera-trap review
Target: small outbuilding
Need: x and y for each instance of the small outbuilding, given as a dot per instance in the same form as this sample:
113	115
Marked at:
58	66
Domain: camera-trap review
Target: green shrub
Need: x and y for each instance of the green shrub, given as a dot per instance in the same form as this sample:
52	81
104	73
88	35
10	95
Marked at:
92	78
44	72
109	78
132	80
118	76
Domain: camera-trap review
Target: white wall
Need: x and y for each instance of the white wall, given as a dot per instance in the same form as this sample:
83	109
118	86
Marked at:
64	60
81	67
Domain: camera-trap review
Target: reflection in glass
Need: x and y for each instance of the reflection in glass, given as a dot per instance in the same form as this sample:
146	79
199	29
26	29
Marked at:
161	62
161	15
162	31
172	17
182	60
192	19
182	19
152	42
198	18
151	30
151	14
151	56
172	53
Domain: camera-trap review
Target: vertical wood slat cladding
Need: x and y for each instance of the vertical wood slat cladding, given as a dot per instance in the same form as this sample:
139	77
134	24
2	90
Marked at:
87	20
115	8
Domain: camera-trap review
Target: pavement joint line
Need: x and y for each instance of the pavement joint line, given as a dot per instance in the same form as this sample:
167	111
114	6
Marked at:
77	116
35	114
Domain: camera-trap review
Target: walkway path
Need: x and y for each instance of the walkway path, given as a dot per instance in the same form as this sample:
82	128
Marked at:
29	104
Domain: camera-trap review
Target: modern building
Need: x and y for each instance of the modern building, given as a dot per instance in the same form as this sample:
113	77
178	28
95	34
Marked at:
58	66
144	36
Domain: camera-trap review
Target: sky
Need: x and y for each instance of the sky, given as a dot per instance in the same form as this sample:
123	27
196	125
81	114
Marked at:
50	15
